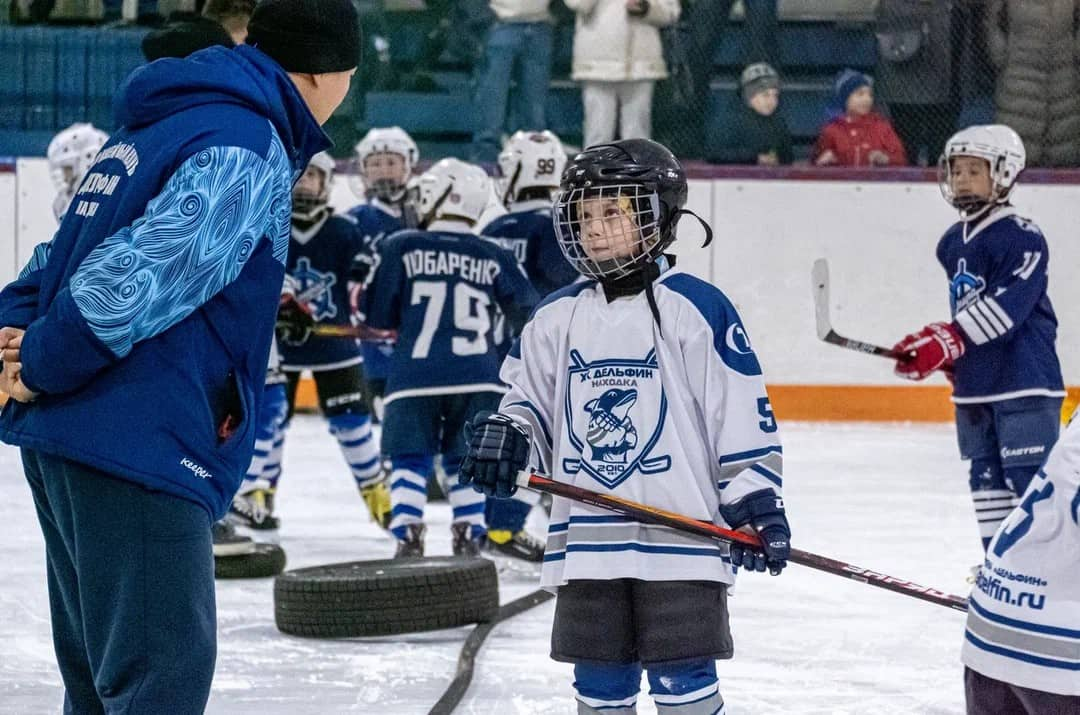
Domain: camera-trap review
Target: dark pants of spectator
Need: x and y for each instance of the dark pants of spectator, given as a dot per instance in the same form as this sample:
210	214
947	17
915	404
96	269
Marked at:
519	52
131	590
682	128
986	696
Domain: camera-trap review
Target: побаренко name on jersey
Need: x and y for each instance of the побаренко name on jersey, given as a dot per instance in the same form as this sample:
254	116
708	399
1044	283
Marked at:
443	263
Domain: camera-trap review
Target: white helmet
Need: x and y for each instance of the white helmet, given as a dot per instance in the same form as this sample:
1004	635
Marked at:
531	160
1003	151
307	204
452	189
384	140
71	154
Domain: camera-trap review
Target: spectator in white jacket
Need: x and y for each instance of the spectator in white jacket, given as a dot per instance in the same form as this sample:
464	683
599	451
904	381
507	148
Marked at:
618	58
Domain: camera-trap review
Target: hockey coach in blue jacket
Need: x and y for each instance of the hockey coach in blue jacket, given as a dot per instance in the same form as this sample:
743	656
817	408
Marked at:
148	321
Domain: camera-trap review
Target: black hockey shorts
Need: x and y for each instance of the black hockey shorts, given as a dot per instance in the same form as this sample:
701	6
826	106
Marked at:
631	621
432	424
341	391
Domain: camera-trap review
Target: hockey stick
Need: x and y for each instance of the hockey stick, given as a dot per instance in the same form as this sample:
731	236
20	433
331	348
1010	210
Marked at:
362	332
460	684
819	275
652	515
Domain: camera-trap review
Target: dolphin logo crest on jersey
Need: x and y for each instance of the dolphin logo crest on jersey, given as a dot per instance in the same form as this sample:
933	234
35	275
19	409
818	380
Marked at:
615	411
313	289
611	431
965	288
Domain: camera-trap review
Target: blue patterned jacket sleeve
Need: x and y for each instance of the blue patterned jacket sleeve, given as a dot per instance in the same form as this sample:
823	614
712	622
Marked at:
193	240
19	299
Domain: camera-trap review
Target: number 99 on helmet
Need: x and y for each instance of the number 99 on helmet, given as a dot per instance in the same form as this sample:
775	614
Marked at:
530	163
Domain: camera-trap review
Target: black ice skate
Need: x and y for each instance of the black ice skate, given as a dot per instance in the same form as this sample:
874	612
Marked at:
227	542
463	543
522	545
412	546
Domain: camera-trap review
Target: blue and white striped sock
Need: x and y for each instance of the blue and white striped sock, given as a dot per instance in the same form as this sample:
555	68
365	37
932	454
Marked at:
359	447
272	468
467	503
408	491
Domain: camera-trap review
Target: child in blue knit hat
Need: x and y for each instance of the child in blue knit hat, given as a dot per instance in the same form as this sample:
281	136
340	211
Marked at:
857	135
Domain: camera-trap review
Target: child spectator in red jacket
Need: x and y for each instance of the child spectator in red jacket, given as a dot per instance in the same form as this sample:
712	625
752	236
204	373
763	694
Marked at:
858	136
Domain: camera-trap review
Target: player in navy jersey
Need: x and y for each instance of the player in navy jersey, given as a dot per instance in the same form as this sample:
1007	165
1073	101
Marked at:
531	164
439	288
321	264
385	159
1007	382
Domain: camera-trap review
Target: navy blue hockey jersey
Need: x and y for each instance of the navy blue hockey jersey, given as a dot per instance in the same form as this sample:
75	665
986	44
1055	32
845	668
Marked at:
998	278
439	290
375	222
320	260
530	234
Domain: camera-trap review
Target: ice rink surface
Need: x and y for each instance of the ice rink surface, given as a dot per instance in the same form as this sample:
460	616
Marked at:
892	498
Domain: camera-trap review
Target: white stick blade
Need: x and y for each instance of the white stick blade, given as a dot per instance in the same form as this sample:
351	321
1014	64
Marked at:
819	276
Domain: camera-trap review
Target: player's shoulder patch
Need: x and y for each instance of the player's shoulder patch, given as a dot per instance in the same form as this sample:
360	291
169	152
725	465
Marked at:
730	338
1025	224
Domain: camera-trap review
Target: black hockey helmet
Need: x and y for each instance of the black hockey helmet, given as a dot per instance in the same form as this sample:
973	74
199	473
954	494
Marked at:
642	185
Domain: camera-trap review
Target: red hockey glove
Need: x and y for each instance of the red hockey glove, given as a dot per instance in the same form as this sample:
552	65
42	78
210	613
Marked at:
935	347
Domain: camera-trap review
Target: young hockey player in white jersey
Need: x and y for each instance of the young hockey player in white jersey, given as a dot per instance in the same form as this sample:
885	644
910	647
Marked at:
639	382
1022	644
438	288
1006	377
385	160
71	154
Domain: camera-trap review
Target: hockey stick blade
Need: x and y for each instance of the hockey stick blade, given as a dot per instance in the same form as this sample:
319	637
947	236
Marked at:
819	276
708	530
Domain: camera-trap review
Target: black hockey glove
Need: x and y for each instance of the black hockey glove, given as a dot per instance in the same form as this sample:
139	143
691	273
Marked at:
294	321
763	510
498	448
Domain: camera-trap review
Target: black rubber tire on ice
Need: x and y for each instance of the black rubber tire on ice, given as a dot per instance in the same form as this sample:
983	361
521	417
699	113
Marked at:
389	597
267	560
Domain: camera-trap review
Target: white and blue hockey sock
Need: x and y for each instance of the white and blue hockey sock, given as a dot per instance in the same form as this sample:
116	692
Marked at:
358	445
272	415
408	491
271	472
607	688
467	503
686	688
991	496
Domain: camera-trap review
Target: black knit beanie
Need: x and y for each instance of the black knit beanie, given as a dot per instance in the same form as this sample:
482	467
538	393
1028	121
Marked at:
311	36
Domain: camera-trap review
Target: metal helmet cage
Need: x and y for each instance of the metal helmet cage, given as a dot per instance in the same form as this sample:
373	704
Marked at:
1000	147
307	204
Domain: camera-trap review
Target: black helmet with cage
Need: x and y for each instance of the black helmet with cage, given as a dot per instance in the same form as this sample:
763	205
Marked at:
626	198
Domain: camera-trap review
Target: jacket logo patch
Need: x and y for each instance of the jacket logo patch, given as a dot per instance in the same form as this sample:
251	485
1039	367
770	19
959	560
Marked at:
616	410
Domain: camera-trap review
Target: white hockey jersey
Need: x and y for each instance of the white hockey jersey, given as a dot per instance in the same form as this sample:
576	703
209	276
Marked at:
1023	623
674	416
